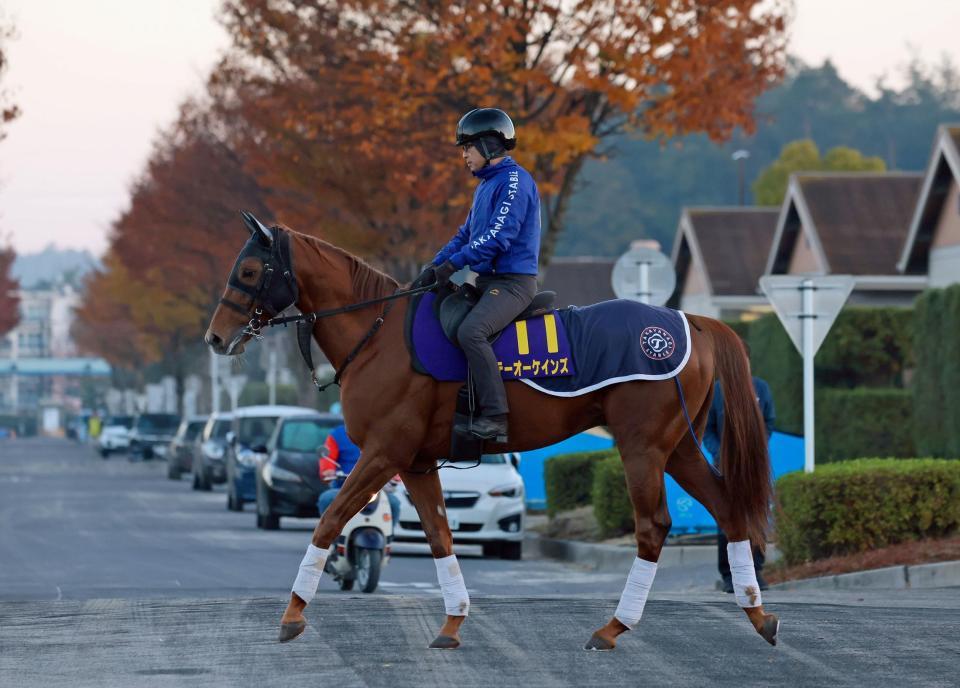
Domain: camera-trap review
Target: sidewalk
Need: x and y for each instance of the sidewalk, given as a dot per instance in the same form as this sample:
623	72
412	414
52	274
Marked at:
684	567
944	574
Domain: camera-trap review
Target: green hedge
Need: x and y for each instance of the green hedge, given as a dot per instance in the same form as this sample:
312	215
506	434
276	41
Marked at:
611	502
860	505
852	423
568	479
866	347
936	382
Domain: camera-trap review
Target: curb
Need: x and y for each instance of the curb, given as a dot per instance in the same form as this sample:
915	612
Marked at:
614	558
942	574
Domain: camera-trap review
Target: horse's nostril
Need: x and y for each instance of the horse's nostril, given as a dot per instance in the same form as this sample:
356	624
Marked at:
213	340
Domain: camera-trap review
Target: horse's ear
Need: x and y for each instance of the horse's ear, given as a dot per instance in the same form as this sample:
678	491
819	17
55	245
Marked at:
257	228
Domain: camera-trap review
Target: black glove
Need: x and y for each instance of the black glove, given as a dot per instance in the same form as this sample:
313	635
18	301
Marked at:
428	276
444	273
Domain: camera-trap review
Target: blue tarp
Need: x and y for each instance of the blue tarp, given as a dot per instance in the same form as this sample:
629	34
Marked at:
687	514
531	466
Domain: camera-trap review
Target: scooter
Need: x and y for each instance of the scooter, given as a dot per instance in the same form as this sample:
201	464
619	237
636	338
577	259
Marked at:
363	546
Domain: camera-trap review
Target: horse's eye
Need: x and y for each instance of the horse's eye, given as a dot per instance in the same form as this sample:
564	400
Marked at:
247	273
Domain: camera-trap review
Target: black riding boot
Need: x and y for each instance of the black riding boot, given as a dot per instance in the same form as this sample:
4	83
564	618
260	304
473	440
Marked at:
489	427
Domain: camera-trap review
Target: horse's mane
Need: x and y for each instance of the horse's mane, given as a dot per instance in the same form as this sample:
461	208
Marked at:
366	281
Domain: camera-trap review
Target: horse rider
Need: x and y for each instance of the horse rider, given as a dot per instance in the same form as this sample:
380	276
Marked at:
500	241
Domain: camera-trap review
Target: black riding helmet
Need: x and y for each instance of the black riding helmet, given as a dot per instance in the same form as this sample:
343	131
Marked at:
490	129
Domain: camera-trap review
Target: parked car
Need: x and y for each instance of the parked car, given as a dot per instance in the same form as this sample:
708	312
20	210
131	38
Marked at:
288	482
247	448
114	435
484	506
208	465
180	451
151	435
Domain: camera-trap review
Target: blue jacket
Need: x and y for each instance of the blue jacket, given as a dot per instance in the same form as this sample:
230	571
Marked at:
342	451
502	231
711	436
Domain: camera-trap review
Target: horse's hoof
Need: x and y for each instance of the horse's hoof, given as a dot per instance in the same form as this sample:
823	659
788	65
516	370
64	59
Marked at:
771	626
444	642
599	644
289	631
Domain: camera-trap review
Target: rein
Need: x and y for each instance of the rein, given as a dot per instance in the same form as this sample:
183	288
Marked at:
305	323
273	248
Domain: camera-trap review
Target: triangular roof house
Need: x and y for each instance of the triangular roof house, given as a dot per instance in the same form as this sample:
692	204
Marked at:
719	254
579	280
849	223
932	246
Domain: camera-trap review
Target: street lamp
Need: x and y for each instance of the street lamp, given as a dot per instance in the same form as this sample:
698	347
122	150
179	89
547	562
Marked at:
740	156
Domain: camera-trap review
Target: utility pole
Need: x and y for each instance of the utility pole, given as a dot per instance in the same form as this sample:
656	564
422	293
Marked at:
272	371
214	383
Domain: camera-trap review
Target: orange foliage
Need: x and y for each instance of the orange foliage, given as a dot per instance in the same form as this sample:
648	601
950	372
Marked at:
170	250
340	116
349	108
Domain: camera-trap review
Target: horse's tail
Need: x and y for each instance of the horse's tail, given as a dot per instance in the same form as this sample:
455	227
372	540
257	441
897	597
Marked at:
744	461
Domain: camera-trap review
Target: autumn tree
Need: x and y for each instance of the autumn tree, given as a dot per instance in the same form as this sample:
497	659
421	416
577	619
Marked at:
9	298
349	107
8	111
770	186
170	252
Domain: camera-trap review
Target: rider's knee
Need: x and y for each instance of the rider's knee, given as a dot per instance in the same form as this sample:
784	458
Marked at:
469	335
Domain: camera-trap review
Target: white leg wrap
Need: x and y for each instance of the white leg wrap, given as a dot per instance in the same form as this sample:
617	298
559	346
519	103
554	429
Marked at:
745	586
308	577
635	592
455	597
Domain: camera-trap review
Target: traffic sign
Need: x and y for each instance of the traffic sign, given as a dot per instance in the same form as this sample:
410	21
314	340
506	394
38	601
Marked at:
786	294
644	274
807	306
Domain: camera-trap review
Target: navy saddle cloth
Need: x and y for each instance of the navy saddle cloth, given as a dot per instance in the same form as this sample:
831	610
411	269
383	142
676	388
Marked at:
567	352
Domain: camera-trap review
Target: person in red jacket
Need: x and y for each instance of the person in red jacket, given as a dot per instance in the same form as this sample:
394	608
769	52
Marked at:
340	453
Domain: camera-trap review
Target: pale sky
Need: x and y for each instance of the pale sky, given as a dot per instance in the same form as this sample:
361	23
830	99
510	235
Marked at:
97	79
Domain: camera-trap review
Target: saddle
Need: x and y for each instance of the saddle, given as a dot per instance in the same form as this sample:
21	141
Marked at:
453	305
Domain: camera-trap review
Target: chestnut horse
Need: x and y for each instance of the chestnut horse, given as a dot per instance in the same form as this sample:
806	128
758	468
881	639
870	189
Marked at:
402	421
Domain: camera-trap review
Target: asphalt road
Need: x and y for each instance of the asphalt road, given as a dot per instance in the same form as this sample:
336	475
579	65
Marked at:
73	526
111	575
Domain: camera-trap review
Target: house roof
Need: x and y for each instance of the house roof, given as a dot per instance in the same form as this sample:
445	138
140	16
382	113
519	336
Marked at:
580	280
732	245
943	168
855	222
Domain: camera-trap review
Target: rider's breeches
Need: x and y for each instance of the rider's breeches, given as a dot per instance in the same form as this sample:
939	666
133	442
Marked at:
503	298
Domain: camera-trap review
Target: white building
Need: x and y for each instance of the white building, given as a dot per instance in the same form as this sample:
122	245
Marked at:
38	357
46	316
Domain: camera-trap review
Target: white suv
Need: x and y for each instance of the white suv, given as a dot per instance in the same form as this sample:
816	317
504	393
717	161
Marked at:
115	435
484	506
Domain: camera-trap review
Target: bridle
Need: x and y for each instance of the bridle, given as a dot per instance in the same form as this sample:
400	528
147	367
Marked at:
273	248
